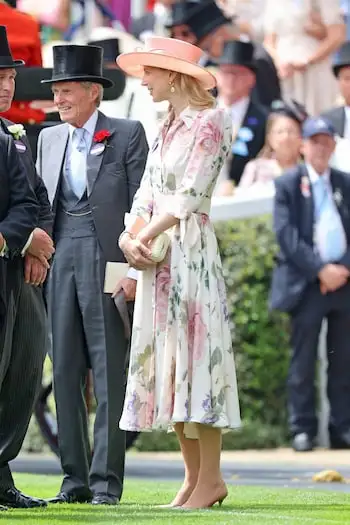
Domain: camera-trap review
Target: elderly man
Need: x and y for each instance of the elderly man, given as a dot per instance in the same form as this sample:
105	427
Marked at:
92	166
311	282
27	337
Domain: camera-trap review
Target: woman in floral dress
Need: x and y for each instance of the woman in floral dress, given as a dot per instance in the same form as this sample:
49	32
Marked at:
182	371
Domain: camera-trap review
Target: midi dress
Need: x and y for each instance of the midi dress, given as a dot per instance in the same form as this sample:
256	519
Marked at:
182	366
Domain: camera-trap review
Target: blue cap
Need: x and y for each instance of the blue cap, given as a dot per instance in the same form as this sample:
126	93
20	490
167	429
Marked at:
317	126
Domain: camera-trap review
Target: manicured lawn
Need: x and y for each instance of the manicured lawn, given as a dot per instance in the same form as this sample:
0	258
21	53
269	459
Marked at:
245	505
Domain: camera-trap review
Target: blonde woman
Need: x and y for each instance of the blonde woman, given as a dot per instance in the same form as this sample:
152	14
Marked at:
182	371
282	146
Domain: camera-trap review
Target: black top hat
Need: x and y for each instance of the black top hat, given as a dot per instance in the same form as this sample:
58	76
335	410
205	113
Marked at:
342	58
238	53
110	48
291	109
78	63
180	12
6	59
205	18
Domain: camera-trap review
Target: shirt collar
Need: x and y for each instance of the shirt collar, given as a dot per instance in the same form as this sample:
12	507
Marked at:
188	116
89	125
314	176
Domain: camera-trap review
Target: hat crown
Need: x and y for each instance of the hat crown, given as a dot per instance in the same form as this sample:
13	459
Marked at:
171	46
6	58
237	53
77	60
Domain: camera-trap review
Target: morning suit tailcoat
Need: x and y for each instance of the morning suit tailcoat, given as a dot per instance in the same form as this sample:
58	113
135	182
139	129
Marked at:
296	289
86	328
248	141
26	342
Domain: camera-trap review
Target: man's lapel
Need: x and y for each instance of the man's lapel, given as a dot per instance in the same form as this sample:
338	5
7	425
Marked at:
338	197
307	202
54	157
95	158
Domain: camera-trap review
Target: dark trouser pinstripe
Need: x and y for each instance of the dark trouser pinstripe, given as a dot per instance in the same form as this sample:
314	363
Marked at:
21	367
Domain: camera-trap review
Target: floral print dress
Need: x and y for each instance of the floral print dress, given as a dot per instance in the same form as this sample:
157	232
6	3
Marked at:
182	365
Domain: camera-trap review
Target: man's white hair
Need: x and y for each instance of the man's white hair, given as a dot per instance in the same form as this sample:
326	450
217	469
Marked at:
87	85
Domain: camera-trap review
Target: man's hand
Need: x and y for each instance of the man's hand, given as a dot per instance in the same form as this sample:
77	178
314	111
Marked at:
136	253
2	241
129	287
332	277
34	271
41	246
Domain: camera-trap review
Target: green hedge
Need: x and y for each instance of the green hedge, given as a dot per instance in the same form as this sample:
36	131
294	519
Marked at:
260	341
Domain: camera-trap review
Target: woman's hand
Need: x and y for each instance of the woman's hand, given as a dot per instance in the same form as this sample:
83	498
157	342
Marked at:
285	70
300	65
314	26
136	253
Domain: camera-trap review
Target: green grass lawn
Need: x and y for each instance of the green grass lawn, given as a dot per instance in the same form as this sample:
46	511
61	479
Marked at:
245	505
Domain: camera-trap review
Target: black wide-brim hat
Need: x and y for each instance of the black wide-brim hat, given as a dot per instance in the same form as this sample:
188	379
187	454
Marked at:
110	47
180	12
238	53
342	58
6	59
73	63
205	18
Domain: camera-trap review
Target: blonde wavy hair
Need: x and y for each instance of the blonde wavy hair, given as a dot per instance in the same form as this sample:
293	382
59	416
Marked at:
198	97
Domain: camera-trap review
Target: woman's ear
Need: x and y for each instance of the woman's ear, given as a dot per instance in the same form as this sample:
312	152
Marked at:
172	76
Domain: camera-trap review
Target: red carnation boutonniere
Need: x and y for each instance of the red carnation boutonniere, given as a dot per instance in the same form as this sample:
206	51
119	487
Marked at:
305	186
101	136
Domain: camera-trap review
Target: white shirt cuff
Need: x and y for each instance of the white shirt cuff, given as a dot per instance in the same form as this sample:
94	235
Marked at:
3	249
133	274
27	244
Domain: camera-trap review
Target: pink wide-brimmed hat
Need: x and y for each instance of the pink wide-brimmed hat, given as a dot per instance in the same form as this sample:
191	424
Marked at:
170	54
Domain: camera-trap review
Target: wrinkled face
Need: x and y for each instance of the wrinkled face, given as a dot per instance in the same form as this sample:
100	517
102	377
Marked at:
344	83
235	82
285	136
157	82
7	88
75	101
318	150
184	33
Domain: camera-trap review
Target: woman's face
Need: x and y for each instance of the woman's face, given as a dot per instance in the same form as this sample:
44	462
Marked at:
158	83
285	136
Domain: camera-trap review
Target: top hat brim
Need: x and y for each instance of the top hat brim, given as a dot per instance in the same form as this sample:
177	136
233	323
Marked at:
13	65
133	64
337	67
105	82
227	62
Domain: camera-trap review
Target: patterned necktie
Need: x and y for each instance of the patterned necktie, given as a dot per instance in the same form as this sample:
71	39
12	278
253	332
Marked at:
77	172
330	236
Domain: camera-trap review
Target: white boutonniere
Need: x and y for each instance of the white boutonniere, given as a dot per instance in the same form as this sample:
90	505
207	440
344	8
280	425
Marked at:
305	186
338	197
17	131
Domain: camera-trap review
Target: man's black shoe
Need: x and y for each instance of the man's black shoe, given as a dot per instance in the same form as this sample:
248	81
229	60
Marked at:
340	441
302	443
104	499
71	497
15	499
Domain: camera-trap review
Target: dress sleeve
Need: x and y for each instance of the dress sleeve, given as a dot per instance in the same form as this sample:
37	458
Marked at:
330	11
143	200
211	147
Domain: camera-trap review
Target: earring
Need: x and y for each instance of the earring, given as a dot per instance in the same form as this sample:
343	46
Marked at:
172	87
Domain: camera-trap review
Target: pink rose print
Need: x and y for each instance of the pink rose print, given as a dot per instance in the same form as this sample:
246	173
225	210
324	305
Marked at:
210	137
204	219
196	332
162	295
150	409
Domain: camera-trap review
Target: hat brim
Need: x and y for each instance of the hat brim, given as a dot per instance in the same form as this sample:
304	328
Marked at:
133	64
105	82
337	67
248	65
15	63
323	132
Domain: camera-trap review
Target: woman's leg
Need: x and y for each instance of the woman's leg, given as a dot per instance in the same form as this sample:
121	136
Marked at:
190	454
210	486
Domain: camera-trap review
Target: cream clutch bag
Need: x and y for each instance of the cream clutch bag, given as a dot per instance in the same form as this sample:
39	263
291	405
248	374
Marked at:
159	247
160	244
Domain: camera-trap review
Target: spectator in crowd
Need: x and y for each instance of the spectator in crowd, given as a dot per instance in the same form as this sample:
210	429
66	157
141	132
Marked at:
27	336
339	116
135	102
311	282
24	37
236	79
206	26
248	16
282	146
302	54
154	22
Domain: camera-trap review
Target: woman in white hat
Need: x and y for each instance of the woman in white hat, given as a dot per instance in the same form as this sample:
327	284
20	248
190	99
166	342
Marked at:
182	371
